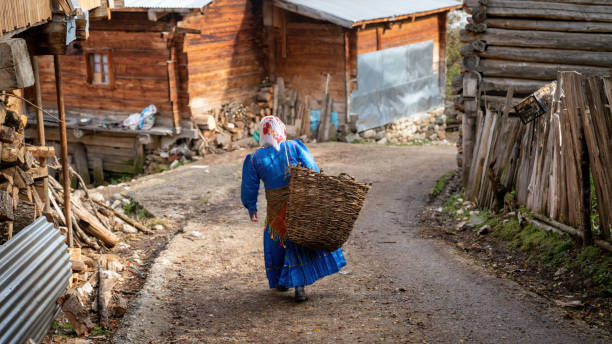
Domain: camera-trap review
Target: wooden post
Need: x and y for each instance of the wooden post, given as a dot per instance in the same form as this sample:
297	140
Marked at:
64	146
585	166
347	76
442	23
379	33
40	126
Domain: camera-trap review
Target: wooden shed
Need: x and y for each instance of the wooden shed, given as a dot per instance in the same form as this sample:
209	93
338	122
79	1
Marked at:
385	59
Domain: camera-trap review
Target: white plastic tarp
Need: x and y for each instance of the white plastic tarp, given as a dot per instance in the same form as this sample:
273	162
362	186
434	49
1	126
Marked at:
395	83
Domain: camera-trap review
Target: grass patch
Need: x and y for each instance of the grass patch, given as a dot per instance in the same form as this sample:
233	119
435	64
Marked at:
441	183
549	250
121	178
135	210
98	331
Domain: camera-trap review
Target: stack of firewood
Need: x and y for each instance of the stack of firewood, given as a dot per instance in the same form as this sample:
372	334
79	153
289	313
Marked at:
93	221
20	176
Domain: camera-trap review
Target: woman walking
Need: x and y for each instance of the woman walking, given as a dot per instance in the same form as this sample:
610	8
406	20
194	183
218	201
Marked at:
287	265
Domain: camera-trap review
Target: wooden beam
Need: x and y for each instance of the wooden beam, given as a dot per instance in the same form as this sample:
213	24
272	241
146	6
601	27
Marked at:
47	39
40	130
312	13
379	33
64	146
15	68
43	152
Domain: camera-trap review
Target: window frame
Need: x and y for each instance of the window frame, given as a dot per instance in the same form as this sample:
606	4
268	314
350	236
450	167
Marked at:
90	67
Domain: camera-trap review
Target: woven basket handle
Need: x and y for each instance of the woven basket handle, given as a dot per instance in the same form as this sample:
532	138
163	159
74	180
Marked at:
346	176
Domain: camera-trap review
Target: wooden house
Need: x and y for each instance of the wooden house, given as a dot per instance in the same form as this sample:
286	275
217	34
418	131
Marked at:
385	59
188	58
184	57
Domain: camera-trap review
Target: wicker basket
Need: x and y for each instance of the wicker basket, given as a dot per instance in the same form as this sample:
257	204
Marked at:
322	210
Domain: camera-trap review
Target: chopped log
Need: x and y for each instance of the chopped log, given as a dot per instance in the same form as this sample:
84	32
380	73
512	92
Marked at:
7	134
476	27
41	152
78	265
541	39
77	313
15	67
38	172
105	289
529	70
478	45
126	218
6	206
13	119
93	225
479	14
471	62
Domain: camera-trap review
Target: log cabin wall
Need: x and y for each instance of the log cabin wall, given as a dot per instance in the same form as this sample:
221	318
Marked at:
523	44
225	61
312	49
137	51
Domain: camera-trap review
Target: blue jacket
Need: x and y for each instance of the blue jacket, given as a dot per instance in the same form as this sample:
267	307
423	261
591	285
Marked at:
270	165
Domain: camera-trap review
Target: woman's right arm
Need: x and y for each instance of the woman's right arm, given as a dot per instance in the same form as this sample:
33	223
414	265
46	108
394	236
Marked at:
250	186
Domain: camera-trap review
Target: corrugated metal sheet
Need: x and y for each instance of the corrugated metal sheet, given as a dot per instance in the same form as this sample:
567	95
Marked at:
166	3
349	12
34	272
395	83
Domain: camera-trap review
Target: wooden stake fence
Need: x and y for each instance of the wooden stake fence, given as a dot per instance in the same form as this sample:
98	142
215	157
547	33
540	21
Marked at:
549	161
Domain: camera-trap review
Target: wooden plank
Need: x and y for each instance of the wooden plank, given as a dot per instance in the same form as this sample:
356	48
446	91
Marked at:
553	56
597	124
79	155
98	171
41	151
15	68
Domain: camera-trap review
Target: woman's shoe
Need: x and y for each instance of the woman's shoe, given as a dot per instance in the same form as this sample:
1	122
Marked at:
300	294
281	288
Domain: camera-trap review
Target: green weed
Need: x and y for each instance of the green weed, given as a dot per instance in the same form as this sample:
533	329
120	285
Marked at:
98	331
441	183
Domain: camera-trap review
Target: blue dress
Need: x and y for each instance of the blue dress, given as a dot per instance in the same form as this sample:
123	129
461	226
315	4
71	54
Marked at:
287	264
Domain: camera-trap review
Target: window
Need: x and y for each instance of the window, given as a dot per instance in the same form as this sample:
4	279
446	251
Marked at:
98	65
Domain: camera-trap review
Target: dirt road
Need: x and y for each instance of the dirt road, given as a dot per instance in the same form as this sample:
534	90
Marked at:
209	285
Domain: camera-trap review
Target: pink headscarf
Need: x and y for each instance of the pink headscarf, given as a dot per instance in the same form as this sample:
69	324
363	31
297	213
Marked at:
272	132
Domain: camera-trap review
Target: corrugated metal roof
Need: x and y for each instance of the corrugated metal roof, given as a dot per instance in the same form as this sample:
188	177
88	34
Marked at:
349	12
166	3
34	272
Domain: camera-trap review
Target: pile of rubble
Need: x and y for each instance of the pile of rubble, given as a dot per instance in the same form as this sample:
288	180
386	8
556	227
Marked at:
422	127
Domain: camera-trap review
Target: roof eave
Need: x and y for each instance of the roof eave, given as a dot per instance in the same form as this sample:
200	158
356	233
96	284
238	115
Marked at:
405	16
312	13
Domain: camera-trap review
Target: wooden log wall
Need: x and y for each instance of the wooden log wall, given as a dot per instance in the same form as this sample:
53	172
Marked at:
138	54
225	61
543	161
312	50
523	44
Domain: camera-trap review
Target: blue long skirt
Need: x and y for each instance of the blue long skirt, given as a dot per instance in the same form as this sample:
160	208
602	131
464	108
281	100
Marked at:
291	265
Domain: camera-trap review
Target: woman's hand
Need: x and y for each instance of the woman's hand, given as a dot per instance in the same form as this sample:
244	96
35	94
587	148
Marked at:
254	217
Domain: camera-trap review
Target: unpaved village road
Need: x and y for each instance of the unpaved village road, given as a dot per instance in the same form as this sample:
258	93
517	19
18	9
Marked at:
209	284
